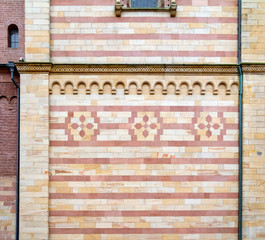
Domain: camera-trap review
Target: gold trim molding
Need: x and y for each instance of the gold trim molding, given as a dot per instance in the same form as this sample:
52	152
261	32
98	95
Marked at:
137	68
24	67
125	68
253	68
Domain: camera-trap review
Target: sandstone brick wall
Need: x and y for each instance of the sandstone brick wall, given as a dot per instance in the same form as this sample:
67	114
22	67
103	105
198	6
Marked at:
12	12
34	157
37	34
253	26
140	166
254	160
88	32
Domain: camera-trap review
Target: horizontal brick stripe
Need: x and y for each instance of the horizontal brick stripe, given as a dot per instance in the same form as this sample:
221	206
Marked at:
207	178
112	2
7	197
144	213
7	189
146	108
143	20
144	143
143	195
82	2
143	53
163	36
141	230
163	160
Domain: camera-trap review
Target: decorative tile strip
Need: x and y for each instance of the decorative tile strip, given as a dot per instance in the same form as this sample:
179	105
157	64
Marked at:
126	68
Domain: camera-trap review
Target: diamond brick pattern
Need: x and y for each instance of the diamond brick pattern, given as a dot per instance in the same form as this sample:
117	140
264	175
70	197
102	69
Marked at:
209	127
82	126
158	127
146	126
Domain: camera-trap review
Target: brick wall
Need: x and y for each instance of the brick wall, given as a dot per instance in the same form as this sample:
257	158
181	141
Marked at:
89	32
8	124
37	34
7	207
146	165
8	141
34	157
254	157
253	25
8	129
12	12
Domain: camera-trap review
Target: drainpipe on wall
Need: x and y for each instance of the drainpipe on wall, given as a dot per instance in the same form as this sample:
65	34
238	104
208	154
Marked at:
12	68
240	170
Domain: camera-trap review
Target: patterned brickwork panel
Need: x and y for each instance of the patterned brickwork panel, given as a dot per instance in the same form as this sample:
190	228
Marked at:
154	126
143	167
87	31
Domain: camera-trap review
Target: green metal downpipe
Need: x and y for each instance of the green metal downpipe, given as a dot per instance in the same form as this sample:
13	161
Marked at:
240	170
240	167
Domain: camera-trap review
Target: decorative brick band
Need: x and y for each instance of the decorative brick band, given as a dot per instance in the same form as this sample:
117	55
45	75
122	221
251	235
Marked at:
254	68
125	68
33	67
134	68
144	125
214	87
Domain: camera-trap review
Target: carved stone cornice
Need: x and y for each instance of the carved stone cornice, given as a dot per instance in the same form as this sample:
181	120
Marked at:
253	68
24	67
125	68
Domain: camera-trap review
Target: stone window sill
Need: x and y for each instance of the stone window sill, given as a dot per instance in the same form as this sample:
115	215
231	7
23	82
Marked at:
119	8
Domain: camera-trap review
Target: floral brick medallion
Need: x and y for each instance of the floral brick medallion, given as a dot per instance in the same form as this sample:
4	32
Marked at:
209	126
146	126
82	126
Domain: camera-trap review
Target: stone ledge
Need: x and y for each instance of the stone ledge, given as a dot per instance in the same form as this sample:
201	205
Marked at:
24	67
126	68
253	68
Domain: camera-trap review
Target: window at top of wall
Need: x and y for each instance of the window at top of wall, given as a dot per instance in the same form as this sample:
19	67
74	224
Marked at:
145	3
13	36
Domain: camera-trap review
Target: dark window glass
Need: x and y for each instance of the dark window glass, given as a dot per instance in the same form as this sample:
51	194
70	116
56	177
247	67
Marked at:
144	3
13	36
